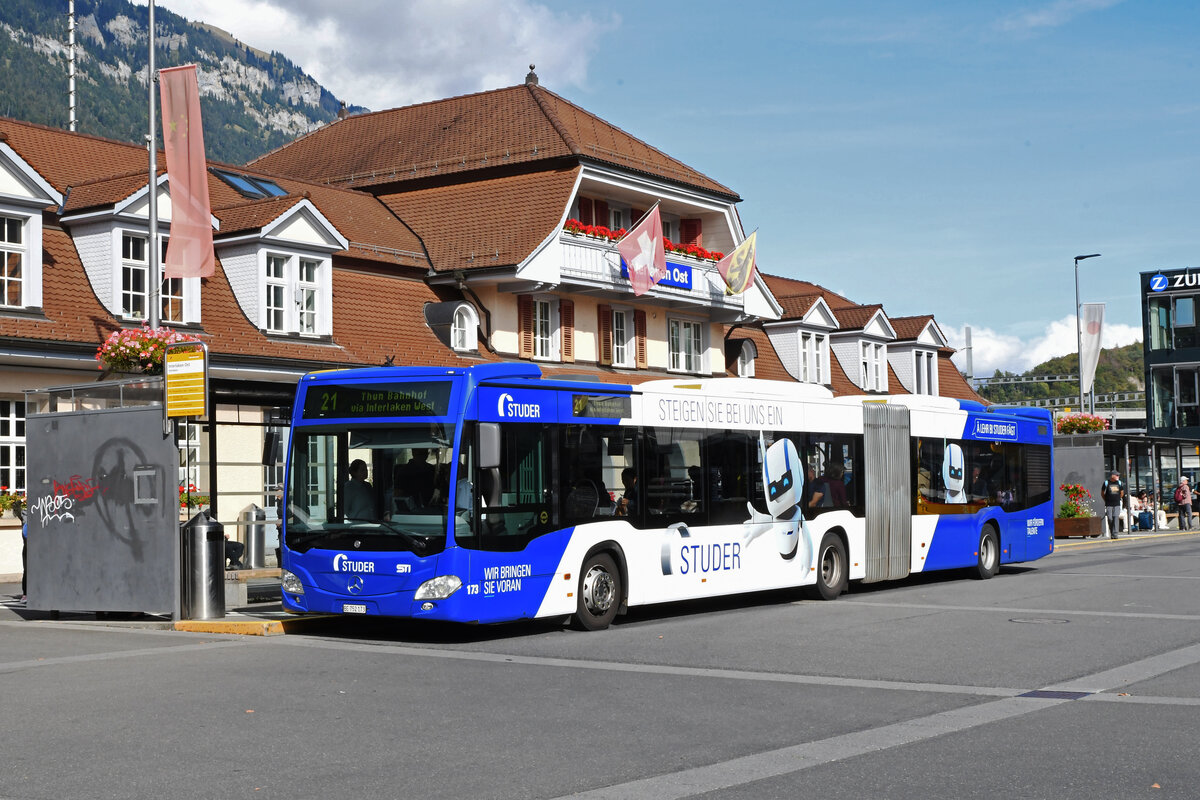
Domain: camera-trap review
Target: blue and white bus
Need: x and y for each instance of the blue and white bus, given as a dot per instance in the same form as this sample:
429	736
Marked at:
491	493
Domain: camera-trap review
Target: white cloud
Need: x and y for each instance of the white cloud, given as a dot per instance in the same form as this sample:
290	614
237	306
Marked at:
385	54
996	351
1054	15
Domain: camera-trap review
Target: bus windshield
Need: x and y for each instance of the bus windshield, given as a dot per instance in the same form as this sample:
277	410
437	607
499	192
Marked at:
372	487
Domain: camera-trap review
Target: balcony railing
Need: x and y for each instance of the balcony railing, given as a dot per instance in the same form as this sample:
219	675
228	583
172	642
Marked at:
595	262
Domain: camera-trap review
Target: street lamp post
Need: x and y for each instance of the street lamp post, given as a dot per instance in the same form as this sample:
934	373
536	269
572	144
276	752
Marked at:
1079	328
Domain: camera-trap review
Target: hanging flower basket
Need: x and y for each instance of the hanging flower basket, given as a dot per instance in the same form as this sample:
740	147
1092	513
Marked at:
138	349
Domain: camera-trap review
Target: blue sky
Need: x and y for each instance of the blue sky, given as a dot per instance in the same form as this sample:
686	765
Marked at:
938	157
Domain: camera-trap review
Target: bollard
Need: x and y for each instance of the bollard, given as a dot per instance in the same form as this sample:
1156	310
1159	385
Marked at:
253	521
203	568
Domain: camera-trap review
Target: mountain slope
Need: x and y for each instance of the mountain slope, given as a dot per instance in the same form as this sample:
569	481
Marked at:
251	101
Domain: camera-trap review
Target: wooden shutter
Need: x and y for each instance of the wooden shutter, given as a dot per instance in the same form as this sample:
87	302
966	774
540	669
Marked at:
585	211
566	326
525	325
635	215
604	334
689	232
639	333
602	213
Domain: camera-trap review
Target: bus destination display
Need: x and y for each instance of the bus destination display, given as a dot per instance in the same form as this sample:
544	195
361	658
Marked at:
338	401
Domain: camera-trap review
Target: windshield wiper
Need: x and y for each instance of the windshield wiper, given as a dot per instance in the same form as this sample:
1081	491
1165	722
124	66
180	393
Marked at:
416	543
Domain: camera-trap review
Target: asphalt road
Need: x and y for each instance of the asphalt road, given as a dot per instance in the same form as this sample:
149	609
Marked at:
1074	677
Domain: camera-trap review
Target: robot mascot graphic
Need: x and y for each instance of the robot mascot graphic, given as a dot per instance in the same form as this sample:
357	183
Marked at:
952	474
783	481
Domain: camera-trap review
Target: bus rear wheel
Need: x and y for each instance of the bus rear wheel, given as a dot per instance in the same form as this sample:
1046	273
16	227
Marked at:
599	593
832	576
989	554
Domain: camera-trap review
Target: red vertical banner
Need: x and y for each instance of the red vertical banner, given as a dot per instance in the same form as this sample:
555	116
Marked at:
190	250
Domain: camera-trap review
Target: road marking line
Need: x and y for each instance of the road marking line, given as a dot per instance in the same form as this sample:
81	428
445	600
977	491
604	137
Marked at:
15	666
1027	611
787	760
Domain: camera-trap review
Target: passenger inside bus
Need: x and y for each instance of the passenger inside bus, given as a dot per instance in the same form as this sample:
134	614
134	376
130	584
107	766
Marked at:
415	480
829	490
628	504
358	498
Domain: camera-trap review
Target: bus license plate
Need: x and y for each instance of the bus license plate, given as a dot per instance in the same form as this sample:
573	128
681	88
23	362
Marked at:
354	608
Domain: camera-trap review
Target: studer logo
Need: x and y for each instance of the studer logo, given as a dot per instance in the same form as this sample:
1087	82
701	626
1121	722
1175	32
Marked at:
342	563
507	407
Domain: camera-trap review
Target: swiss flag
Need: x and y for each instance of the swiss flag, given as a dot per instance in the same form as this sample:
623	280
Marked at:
643	252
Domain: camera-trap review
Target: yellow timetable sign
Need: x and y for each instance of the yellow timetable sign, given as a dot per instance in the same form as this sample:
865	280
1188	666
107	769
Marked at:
185	375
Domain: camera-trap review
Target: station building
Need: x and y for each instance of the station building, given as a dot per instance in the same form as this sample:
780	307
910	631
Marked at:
471	229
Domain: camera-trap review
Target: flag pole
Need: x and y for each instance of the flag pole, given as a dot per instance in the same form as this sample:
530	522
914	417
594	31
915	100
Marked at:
155	282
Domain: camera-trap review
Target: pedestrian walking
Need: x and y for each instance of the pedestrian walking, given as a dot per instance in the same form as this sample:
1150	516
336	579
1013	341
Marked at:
1183	500
1113	493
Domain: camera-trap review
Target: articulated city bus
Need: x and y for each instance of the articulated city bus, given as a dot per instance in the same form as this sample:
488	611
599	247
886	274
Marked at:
491	493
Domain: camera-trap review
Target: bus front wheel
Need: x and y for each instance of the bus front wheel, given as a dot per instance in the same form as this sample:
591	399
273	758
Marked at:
832	575
599	593
989	554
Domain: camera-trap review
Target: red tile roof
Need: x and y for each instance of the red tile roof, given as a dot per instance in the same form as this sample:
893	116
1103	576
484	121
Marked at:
910	327
855	318
487	223
499	128
951	382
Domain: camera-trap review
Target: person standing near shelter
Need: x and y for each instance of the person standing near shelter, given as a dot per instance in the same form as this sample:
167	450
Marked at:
1113	493
1183	499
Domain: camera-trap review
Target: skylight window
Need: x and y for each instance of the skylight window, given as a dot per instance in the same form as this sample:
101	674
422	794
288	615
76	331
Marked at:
247	186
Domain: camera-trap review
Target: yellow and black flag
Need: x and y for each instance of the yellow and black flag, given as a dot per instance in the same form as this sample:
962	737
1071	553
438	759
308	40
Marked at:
737	268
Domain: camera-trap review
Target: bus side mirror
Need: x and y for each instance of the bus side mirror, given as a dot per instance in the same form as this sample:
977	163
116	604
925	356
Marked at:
489	445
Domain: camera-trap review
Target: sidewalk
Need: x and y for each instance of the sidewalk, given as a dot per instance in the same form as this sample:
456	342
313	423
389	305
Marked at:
257	619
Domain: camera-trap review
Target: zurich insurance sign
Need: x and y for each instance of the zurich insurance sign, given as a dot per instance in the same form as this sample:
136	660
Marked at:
1169	280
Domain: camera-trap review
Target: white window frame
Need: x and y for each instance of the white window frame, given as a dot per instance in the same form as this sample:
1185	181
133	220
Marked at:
546	328
184	290
624	352
745	363
925	372
685	345
8	224
872	361
814	356
12	444
295	302
464	326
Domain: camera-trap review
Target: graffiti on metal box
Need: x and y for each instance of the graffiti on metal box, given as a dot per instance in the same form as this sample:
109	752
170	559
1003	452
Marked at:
54	507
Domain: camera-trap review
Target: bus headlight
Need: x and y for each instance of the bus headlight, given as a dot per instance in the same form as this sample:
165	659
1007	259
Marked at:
290	583
438	588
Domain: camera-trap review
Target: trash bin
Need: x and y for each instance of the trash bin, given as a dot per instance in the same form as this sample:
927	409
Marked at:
203	568
253	521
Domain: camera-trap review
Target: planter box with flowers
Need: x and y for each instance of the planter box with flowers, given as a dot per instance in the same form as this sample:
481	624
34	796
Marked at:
189	498
1074	517
1069	424
601	233
138	350
11	501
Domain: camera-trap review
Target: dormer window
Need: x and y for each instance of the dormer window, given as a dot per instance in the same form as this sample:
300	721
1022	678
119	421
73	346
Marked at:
872	376
463	327
925	372
295	295
15	256
135	281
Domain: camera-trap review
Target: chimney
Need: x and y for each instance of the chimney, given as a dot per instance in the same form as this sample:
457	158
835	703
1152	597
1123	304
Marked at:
531	79
342	112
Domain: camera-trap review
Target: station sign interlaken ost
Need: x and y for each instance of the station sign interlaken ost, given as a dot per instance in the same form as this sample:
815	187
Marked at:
186	377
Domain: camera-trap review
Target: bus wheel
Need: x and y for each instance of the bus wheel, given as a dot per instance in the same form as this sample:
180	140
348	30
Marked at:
989	554
832	576
599	593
